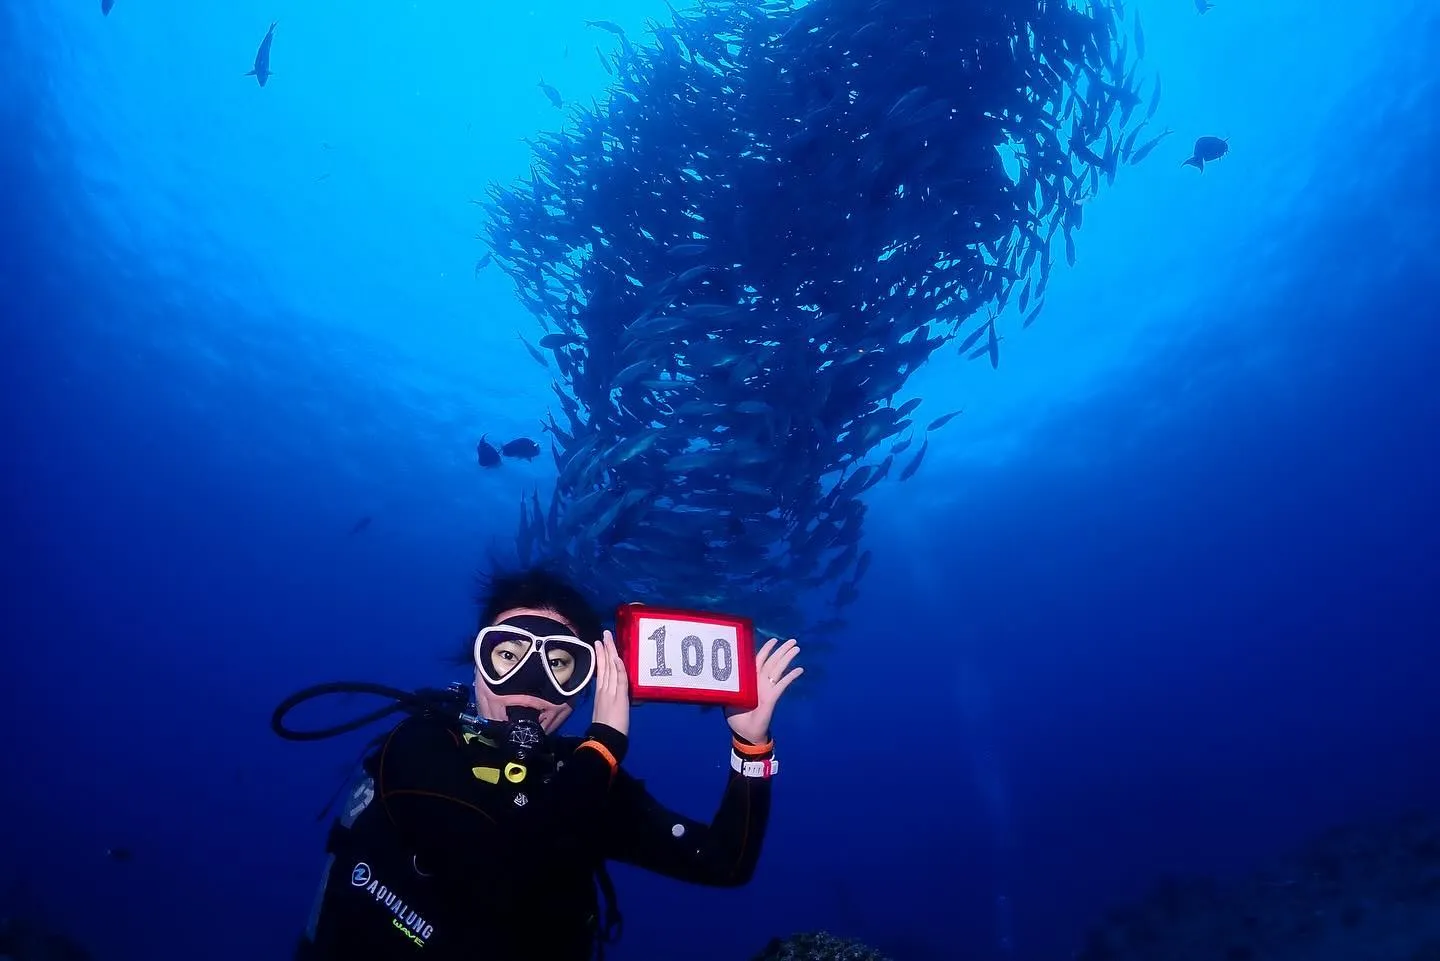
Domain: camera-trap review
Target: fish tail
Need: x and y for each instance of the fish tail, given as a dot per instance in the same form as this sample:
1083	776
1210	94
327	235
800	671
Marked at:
1195	162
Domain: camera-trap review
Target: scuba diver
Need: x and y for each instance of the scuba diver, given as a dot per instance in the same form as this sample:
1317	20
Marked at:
473	831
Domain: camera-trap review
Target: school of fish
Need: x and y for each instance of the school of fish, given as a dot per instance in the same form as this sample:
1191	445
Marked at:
738	258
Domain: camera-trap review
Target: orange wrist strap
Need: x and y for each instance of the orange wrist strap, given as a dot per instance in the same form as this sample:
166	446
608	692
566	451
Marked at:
753	750
603	751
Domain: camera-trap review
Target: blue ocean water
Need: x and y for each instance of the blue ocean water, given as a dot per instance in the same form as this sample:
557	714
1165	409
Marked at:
1163	601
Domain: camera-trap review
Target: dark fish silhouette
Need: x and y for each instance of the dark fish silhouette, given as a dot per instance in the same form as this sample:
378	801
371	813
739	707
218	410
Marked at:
521	447
530	349
1203	5
106	6
551	93
1207	149
559	341
940	422
914	464
972	337
261	72
360	525
119	854
1034	312
1143	151
486	453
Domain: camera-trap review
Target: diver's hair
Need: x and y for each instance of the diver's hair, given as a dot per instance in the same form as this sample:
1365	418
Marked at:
541	588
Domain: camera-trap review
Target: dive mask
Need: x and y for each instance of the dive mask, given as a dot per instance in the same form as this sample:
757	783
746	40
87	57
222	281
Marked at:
534	655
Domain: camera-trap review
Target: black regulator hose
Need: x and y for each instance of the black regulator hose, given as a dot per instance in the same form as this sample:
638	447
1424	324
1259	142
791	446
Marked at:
413	702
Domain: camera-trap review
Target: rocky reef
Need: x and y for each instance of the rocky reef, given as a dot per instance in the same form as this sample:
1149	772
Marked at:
1365	892
27	941
817	946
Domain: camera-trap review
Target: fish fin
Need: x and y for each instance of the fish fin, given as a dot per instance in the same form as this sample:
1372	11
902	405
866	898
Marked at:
1195	162
250	74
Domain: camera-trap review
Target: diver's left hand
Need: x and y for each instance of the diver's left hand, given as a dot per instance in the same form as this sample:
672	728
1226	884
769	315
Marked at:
771	680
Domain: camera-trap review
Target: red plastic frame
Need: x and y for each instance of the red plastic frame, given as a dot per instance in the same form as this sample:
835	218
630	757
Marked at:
627	636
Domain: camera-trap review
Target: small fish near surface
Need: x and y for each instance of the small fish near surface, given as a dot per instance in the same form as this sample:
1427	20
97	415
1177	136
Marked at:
607	26
486	454
552	95
261	70
522	448
1207	149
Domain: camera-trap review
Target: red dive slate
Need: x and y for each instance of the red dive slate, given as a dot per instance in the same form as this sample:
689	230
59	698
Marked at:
688	657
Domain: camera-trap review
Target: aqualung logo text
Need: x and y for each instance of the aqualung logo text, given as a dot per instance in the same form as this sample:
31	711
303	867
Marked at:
405	919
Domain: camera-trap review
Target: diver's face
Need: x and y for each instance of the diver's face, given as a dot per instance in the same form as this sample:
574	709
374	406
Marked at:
503	660
507	654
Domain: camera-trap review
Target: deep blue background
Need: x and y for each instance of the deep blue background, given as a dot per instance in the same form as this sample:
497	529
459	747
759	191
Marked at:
1163	600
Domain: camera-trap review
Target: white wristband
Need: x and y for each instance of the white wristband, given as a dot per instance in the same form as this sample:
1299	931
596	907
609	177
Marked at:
766	768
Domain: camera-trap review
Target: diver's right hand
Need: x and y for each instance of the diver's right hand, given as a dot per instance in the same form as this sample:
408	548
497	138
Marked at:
612	686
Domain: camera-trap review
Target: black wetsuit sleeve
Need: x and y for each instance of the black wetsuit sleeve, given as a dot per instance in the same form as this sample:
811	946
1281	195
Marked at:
723	853
583	782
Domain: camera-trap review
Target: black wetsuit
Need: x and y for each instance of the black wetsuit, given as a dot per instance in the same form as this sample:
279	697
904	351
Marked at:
439	855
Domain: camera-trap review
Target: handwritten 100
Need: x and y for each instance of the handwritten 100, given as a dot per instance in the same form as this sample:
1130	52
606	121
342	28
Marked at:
692	656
